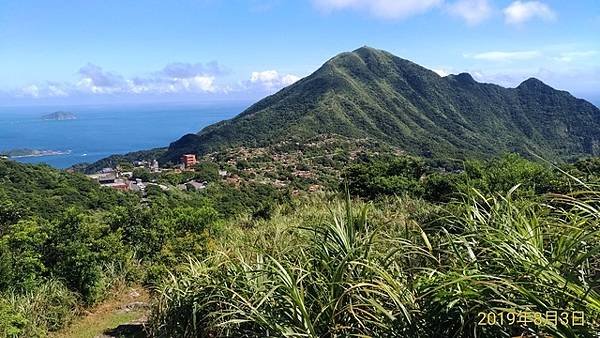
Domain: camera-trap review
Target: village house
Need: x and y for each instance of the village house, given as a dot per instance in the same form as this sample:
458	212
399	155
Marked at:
104	178
110	179
154	166
188	161
195	185
128	174
118	185
137	185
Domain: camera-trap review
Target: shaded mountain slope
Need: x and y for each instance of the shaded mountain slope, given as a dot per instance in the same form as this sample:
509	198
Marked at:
371	93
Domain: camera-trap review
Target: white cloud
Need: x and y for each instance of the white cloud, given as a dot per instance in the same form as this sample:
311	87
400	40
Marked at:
174	78
441	72
521	11
30	91
472	11
506	56
57	90
577	81
266	76
571	56
49	89
180	70
289	79
505	78
197	83
389	9
95	80
271	79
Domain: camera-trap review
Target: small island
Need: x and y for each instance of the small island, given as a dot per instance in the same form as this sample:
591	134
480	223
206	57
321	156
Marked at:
59	116
22	153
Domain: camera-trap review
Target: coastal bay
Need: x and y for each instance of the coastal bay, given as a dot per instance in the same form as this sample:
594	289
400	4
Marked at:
100	131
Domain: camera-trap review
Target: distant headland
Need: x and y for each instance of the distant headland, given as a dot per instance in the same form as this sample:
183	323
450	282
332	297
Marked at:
60	116
21	153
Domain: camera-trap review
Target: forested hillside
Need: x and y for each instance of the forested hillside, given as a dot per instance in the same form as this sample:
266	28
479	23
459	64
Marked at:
402	246
66	243
372	93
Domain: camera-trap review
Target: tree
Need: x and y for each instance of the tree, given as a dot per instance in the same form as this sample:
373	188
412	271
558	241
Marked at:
143	174
22	250
207	171
79	247
386	176
500	174
9	214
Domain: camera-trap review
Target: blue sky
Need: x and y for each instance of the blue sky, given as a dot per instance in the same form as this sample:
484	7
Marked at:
106	51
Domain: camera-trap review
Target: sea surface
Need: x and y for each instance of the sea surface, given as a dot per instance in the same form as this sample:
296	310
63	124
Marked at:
100	131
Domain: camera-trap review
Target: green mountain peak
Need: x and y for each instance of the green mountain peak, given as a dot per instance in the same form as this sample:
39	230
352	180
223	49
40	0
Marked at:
370	93
535	84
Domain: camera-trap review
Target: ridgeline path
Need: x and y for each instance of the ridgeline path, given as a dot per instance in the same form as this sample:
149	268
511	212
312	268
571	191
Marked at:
122	315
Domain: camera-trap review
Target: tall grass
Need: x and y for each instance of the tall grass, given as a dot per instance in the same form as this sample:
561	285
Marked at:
50	305
350	269
47	307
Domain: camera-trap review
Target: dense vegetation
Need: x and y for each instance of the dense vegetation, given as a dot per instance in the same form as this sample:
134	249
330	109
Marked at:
417	248
431	252
371	93
374	177
65	242
55	253
385	271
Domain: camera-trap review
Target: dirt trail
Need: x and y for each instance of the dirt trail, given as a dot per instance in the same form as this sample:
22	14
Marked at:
123	316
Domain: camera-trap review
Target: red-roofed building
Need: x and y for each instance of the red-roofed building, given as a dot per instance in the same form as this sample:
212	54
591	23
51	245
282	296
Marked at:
189	160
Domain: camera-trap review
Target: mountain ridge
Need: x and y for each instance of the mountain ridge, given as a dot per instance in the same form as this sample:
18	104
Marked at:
370	92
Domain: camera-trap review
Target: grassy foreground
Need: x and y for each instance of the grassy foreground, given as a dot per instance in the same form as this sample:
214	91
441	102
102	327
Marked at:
397	268
109	318
498	248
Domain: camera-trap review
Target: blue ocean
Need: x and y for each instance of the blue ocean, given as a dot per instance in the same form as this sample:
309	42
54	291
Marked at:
100	131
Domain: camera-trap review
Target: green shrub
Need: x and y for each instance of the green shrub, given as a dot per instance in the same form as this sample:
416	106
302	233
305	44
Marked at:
12	323
78	248
381	176
387	176
207	171
21	254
